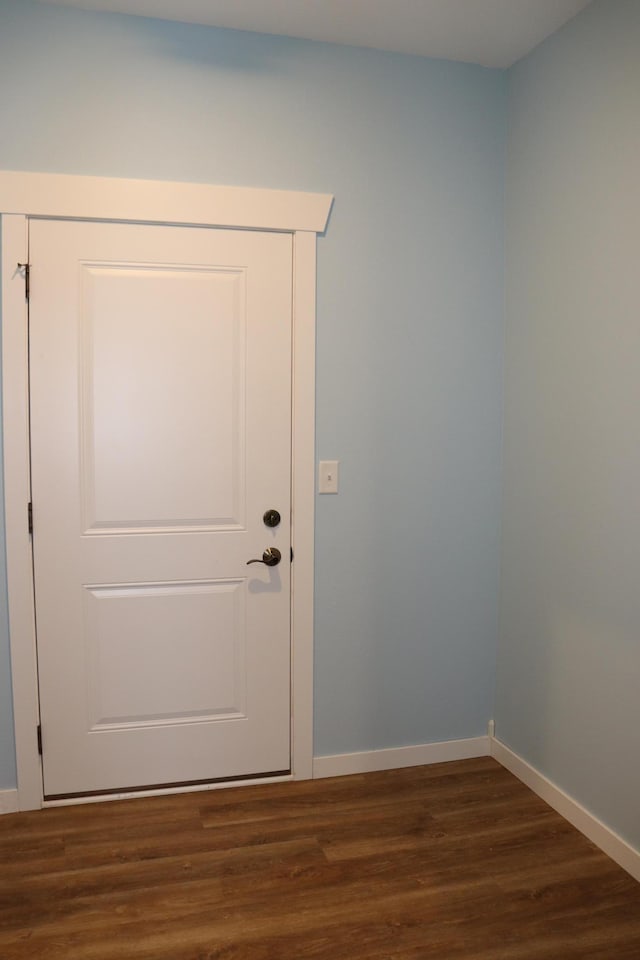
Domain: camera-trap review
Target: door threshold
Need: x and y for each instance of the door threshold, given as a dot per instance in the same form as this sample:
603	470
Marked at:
164	790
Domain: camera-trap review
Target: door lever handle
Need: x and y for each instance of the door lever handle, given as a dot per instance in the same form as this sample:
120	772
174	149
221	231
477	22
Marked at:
271	557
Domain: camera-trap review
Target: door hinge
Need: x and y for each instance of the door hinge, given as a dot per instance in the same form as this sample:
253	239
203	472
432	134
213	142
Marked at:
39	736
291	549
30	516
27	278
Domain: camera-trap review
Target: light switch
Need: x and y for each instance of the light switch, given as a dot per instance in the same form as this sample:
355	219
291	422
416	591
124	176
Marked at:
328	476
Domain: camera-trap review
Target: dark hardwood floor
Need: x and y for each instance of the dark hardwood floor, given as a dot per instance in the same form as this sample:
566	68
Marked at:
453	861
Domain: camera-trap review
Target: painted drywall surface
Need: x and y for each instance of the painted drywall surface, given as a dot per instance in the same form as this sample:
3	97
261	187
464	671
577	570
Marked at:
569	658
409	313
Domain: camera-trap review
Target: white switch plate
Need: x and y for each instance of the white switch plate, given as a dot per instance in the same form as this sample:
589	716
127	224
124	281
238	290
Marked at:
328	476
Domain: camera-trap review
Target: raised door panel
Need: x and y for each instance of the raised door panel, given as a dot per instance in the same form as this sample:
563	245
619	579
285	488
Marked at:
165	653
153	455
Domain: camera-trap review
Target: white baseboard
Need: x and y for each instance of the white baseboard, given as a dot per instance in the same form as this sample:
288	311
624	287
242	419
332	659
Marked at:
8	801
599	833
368	761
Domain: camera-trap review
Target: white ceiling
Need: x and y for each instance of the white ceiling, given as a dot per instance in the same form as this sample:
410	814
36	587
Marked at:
494	33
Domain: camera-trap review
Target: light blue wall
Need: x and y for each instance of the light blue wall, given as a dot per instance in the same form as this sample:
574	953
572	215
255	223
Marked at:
409	314
568	695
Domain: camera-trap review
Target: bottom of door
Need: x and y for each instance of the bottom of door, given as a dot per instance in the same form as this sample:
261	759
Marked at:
186	784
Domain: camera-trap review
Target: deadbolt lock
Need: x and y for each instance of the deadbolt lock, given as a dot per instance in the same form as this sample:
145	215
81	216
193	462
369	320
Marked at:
271	518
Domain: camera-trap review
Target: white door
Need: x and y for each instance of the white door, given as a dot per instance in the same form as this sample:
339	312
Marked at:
160	362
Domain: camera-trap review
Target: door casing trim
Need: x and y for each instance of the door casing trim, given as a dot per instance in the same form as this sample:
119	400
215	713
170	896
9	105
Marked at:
304	215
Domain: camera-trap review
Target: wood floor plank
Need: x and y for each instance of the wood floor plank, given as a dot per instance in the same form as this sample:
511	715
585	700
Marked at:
453	861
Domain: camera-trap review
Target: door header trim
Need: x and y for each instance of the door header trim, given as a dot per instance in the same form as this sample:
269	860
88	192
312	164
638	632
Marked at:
159	201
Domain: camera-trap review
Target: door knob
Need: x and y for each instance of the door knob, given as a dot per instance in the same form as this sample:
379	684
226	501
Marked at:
271	557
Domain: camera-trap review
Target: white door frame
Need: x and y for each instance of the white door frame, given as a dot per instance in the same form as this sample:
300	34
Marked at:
304	215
